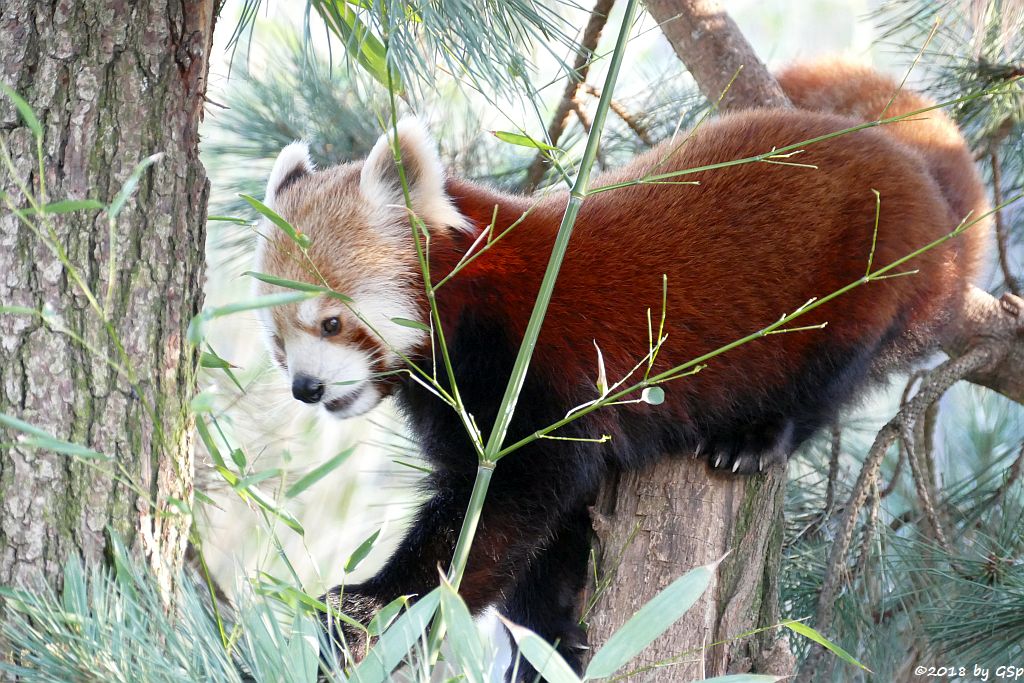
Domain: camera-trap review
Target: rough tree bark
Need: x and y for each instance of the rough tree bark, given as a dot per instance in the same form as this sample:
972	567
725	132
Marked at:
655	525
112	83
714	51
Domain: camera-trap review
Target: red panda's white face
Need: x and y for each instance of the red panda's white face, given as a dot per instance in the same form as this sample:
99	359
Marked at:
361	245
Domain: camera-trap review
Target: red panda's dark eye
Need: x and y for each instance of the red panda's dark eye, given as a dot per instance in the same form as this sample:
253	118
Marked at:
330	327
277	350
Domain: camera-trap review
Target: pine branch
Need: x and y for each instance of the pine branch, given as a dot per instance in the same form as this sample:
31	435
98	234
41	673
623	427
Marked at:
1002	247
629	119
933	387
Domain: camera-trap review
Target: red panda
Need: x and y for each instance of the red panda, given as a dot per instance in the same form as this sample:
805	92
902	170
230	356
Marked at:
746	245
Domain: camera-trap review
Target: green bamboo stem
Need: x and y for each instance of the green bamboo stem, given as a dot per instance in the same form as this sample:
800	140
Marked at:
522	362
576	196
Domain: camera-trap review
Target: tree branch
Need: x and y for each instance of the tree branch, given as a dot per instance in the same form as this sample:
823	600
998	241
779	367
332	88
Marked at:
592	33
624	114
711	45
1002	249
985	320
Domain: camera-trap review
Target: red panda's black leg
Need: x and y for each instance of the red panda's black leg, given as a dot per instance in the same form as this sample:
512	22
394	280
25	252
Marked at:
531	494
546	598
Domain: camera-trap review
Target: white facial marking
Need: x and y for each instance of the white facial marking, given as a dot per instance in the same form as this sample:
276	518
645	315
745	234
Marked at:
309	312
344	371
379	303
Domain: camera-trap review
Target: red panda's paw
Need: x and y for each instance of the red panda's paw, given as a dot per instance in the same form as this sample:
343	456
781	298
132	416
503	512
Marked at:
750	450
349	642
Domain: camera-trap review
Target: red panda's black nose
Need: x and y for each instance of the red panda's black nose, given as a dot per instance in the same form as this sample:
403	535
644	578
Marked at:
307	389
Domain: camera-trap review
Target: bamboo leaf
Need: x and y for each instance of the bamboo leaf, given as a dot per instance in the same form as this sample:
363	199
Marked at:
360	553
19	310
522	140
387	614
63	447
197	327
463	635
262	501
602	374
12	422
203	402
129	185
538	652
300	239
286	517
205	499
210	360
253	479
650	621
39	438
808	632
211	445
394	645
653	395
303	651
229	219
295	284
27	115
414	324
271	586
64	206
318	473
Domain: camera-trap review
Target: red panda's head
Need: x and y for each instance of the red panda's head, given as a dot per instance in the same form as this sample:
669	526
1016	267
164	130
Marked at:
360	245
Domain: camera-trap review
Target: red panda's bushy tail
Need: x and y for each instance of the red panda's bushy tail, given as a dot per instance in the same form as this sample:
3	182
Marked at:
861	93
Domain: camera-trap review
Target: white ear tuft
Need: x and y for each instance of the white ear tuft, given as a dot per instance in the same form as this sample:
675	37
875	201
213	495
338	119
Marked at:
424	175
292	163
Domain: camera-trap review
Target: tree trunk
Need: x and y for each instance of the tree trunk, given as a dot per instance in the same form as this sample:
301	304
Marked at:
655	525
111	83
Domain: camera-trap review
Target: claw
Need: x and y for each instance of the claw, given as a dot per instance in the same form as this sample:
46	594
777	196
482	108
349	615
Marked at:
718	460
1011	304
760	463
736	465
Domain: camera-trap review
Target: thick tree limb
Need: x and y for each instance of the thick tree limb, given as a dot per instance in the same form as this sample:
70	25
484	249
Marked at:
935	384
985	320
713	48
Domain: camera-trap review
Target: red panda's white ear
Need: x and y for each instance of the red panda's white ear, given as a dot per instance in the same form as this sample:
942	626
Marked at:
424	175
292	163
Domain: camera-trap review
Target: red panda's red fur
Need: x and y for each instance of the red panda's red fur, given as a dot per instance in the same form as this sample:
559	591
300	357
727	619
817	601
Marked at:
748	244
864	94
